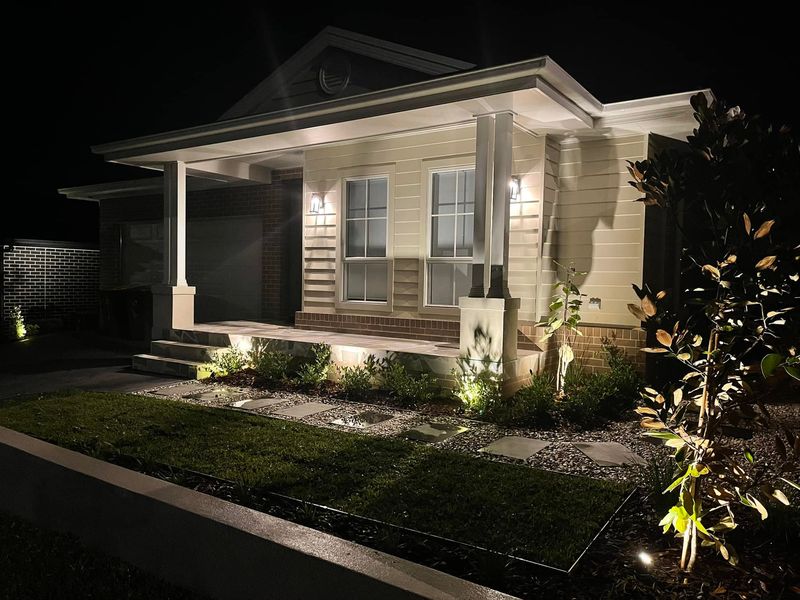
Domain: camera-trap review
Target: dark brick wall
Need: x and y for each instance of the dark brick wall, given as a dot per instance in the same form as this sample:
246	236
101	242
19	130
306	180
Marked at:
49	279
438	330
268	202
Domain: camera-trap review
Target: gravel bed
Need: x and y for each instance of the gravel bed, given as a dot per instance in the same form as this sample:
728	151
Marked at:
560	455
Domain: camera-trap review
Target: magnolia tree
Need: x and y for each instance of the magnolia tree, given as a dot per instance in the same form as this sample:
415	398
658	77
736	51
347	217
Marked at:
738	186
563	320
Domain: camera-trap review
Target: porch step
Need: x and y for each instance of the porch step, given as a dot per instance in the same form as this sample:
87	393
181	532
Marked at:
150	363
183	350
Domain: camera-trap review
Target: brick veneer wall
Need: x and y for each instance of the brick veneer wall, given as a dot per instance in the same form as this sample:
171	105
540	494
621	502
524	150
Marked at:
263	201
588	348
49	279
437	330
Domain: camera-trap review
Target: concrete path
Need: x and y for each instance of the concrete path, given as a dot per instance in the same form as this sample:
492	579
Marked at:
70	360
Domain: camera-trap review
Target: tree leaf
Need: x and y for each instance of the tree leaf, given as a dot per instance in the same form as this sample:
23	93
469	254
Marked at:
714	271
764	229
648	307
637	312
769	363
661	295
664	338
646	410
747	227
650	423
765	263
655	350
780	496
793	372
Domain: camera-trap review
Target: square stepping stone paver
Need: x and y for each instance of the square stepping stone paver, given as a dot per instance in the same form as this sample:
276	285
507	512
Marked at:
609	454
305	409
363	419
433	432
180	390
252	404
515	446
214	393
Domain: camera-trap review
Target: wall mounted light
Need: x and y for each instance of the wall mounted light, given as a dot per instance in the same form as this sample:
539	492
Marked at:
317	204
513	186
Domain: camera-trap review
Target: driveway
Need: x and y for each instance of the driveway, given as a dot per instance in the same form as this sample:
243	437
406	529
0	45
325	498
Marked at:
71	360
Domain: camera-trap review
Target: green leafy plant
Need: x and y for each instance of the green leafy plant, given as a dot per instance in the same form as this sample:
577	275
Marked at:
18	321
625	379
532	404
408	388
564	318
228	361
270	364
582	404
358	380
314	372
740	183
478	386
657	475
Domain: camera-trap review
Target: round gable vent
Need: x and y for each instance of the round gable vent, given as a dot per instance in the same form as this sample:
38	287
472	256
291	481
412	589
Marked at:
334	74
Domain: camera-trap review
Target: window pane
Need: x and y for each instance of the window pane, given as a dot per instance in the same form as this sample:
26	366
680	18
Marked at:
442	231
356	230
376	237
466	191
444	193
377	197
464	225
440	284
354	281
463	280
356	199
376	282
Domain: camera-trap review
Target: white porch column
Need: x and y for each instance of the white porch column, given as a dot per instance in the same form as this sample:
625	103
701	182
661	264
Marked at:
484	139
501	198
173	299
488	326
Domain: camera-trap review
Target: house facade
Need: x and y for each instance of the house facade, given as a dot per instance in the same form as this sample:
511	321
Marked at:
370	189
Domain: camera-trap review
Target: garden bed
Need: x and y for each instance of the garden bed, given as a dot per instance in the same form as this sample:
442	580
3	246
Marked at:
538	516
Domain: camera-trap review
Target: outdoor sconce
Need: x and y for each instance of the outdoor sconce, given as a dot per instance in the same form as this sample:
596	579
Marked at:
317	204
514	187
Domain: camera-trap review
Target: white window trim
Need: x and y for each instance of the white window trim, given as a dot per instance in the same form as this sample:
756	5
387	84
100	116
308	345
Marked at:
341	260
444	309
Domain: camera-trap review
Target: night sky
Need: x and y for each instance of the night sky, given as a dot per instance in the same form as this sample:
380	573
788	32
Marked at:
81	75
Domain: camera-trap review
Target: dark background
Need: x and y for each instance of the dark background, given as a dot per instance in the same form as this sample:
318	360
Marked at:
78	75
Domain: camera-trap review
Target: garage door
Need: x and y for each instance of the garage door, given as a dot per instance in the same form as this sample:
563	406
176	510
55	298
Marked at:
223	262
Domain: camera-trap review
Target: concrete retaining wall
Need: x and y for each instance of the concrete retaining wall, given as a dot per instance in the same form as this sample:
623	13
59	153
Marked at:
198	541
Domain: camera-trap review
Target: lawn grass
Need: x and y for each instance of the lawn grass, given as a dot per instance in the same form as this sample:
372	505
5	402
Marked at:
36	563
543	516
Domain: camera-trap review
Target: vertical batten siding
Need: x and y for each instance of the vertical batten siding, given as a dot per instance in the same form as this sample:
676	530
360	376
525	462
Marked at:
599	227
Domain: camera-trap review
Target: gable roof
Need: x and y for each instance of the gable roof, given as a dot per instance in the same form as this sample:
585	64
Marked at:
425	63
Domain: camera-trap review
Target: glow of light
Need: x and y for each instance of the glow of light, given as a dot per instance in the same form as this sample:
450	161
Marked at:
645	558
317	204
513	186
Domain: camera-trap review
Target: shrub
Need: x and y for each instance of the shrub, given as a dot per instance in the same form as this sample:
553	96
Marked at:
626	380
406	387
314	372
479	390
357	380
582	403
271	364
533	403
230	360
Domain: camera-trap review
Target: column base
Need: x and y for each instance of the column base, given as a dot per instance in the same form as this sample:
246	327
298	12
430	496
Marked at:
488	328
173	308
